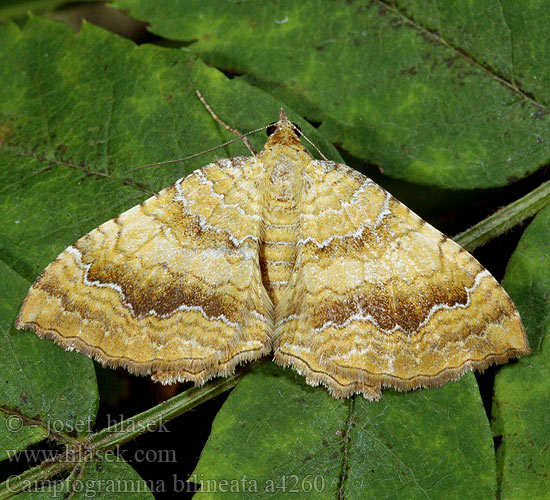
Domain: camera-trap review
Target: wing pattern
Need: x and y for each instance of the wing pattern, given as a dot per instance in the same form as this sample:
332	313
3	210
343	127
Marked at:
170	288
381	298
284	253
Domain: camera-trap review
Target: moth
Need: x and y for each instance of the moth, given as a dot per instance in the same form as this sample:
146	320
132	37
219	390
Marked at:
277	253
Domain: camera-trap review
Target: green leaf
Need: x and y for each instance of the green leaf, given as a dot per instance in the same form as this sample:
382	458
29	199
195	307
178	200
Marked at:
431	93
76	133
276	436
521	404
508	38
20	8
44	391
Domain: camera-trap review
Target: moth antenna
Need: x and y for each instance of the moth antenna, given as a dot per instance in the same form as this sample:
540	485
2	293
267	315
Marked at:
311	143
220	121
198	154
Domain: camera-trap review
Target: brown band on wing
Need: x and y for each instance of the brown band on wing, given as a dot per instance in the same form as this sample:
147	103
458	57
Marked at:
156	299
407	311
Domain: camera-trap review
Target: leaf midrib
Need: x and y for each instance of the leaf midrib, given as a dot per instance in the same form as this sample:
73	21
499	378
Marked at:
488	70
